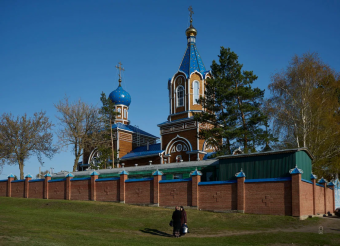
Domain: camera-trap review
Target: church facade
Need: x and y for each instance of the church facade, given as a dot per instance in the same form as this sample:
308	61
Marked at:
179	139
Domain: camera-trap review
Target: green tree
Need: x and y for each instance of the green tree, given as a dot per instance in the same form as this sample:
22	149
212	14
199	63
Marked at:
108	117
23	137
232	107
305	109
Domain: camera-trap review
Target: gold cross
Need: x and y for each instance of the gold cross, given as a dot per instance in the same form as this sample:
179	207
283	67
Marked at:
120	68
191	12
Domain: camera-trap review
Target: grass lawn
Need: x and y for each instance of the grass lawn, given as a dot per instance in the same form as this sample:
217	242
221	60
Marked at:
59	222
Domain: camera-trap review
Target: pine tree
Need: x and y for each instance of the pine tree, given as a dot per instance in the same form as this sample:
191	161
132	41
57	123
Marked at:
108	117
232	107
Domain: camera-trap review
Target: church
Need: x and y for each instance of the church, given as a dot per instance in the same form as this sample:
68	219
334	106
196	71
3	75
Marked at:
179	139
173	169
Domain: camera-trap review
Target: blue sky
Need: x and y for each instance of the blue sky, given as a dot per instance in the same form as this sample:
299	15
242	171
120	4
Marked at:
49	49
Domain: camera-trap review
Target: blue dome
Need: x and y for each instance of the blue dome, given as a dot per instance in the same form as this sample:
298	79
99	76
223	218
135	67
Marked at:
120	96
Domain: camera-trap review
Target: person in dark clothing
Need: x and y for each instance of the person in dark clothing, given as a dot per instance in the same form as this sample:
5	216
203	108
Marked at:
176	218
183	218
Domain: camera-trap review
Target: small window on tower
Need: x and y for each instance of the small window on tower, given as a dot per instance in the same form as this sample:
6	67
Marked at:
180	96
120	112
196	91
125	113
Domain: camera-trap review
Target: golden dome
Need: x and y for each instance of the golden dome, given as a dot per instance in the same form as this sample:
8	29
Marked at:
191	31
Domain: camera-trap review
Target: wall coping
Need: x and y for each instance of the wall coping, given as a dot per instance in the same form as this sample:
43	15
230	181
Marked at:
307	181
175	180
16	181
320	185
3	180
56	180
218	182
106	179
80	179
268	180
36	180
138	180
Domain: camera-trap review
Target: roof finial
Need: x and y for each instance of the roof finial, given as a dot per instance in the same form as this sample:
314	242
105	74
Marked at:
120	68
191	13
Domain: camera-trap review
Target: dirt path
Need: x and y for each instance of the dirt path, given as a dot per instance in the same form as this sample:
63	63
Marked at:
329	225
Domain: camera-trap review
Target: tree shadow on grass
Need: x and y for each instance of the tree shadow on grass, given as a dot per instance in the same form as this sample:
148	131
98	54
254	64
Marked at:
156	232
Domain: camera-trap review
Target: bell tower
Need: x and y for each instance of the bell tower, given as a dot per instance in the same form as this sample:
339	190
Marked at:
121	99
188	83
179	134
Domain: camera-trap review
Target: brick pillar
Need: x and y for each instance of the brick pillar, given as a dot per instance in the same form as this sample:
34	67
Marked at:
47	178
157	176
325	197
296	194
241	191
94	176
123	177
331	185
9	185
313	178
68	186
27	179
195	179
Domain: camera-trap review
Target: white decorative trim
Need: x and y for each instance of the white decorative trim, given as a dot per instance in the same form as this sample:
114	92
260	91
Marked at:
93	152
188	81
172	141
198	140
185	95
117	145
193	90
176	99
173	102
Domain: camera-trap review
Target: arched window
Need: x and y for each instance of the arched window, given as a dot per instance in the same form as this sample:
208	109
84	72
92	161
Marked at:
125	113
120	112
196	91
180	96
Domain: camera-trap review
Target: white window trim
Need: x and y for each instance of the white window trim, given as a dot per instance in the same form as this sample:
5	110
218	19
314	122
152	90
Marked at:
125	113
178	87
193	86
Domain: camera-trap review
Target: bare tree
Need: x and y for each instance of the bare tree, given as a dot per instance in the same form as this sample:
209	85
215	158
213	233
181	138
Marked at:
22	137
42	174
305	108
79	124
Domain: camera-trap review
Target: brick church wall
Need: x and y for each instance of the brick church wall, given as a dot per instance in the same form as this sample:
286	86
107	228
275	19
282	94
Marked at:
81	189
307	197
175	193
107	190
284	196
56	190
18	189
3	187
269	198
319	200
218	196
329	200
36	189
139	192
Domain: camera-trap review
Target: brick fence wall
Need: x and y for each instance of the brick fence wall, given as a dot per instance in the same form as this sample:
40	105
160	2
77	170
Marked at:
277	196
